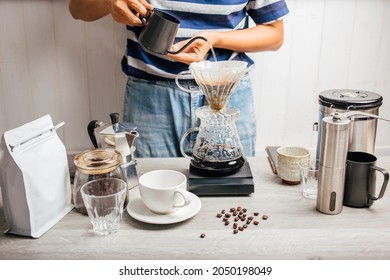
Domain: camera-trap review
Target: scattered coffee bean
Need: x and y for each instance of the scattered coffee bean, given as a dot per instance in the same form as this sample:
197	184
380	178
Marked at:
238	214
202	235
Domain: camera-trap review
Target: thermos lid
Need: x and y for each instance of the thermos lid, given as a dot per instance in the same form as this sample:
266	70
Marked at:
98	161
350	99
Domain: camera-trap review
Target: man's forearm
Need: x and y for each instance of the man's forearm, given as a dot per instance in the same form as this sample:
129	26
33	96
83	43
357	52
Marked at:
258	38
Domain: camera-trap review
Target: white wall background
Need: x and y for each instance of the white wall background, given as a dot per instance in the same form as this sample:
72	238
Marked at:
53	64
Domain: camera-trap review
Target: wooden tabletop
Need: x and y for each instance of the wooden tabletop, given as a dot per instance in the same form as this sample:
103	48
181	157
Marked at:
294	228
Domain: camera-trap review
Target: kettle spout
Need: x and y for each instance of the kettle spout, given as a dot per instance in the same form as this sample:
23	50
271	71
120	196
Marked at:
130	137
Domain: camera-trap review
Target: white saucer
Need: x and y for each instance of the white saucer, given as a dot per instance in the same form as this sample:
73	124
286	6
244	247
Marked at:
137	209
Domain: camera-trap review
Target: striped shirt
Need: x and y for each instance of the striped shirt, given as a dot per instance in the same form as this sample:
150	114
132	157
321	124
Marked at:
195	16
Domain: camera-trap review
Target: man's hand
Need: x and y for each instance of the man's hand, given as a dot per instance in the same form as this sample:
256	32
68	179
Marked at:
195	52
128	11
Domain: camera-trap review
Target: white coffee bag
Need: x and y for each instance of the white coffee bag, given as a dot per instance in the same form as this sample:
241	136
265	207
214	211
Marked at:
34	178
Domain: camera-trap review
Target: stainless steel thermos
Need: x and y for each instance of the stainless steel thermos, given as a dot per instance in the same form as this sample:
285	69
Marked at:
346	100
335	140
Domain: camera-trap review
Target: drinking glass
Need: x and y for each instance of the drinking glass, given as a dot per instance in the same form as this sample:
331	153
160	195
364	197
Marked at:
104	200
309	179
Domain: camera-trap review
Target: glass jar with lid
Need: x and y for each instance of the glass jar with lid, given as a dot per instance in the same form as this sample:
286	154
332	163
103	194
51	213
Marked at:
94	164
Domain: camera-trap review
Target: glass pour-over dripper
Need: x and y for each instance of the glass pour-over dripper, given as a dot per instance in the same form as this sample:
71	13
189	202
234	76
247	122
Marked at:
218	79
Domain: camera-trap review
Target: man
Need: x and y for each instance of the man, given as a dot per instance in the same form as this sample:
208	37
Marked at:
163	112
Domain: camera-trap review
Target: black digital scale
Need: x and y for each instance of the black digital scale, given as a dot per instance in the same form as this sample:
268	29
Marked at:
238	183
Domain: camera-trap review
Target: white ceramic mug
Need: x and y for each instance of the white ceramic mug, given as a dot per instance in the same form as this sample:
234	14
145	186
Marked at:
163	191
288	158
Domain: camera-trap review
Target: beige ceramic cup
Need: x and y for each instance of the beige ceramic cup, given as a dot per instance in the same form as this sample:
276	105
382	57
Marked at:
288	158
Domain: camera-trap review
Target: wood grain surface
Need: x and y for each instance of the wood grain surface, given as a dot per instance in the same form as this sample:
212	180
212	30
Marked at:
294	228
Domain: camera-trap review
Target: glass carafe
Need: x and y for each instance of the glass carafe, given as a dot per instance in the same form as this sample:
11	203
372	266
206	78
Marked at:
217	148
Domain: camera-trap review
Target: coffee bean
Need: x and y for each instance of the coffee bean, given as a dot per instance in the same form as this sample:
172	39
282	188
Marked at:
239	214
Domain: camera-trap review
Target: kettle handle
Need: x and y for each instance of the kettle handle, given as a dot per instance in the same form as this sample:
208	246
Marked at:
192	129
91	129
145	19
